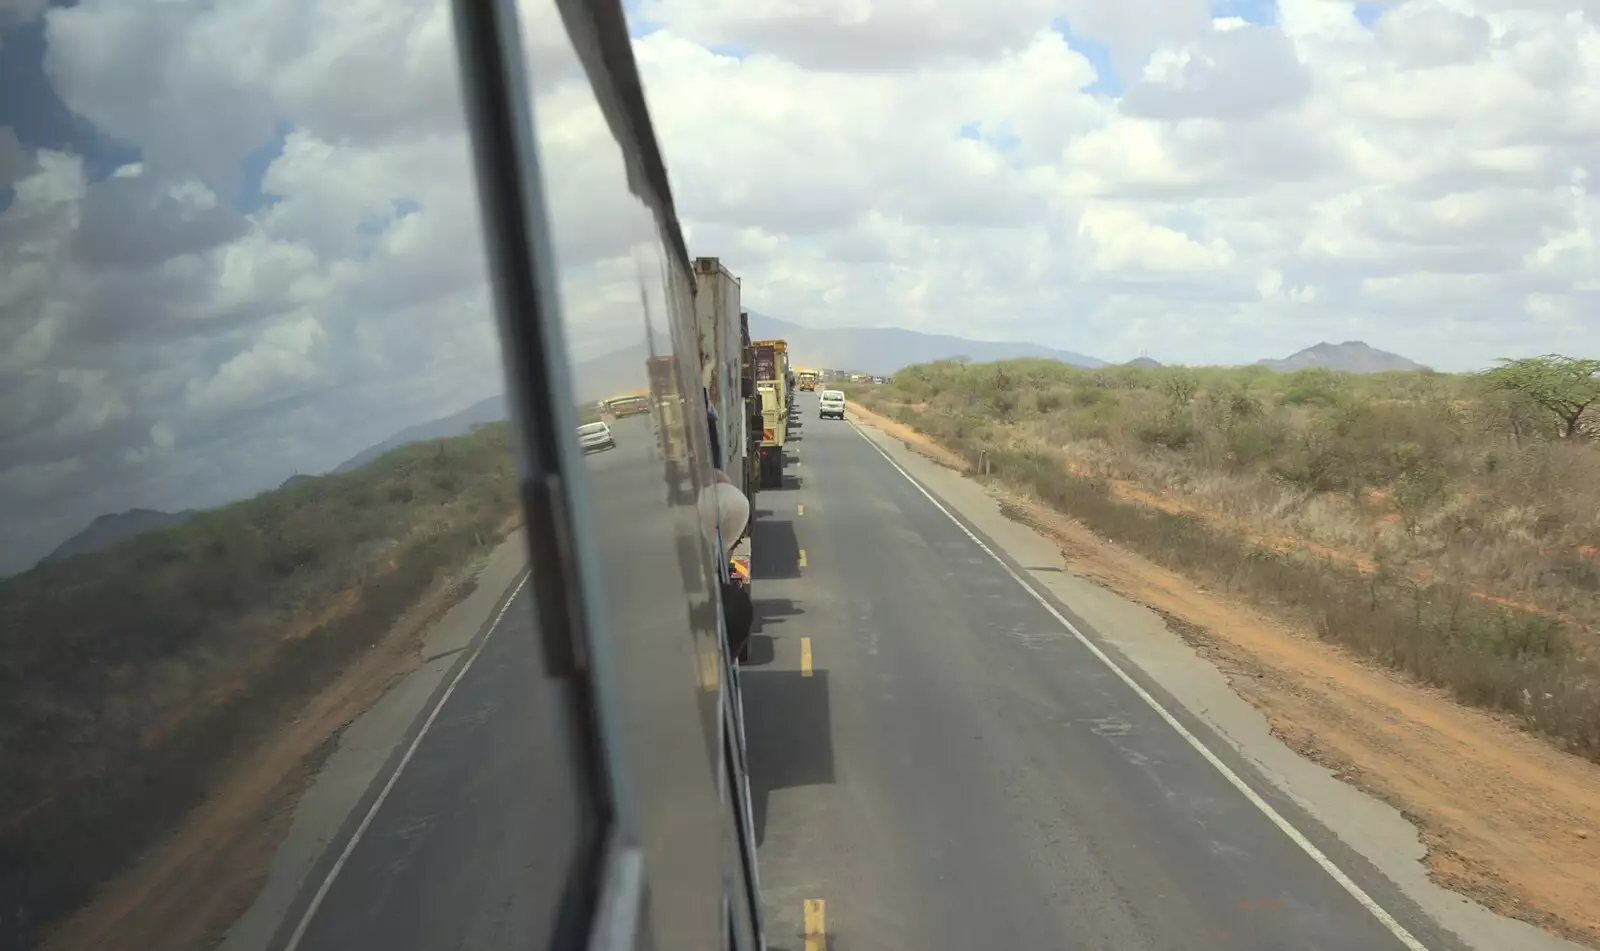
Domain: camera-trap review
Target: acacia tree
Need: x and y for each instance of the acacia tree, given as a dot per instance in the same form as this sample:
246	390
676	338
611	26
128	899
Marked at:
1563	386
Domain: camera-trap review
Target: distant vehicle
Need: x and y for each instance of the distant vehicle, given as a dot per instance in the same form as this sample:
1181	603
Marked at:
807	380
832	404
594	437
625	406
774	382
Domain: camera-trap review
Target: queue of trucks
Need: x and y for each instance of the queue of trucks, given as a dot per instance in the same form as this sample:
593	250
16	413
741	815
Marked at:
775	383
729	366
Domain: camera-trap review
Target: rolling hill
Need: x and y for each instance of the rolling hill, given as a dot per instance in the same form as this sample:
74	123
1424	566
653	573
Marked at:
883	350
489	410
113	527
1352	356
880	350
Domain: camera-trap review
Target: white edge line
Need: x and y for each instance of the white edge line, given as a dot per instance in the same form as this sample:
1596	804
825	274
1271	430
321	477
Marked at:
1295	835
372	811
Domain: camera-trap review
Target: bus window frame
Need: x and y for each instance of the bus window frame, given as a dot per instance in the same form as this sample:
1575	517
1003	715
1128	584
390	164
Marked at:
603	895
603	901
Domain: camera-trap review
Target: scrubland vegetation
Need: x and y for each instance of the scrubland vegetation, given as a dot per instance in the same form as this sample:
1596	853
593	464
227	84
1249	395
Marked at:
130	676
1444	525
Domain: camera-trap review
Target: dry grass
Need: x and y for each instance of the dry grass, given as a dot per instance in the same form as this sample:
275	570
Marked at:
175	652
1405	515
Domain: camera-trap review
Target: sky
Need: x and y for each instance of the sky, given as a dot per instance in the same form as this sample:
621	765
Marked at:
239	241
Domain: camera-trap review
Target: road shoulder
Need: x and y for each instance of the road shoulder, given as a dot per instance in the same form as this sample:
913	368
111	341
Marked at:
1246	702
365	747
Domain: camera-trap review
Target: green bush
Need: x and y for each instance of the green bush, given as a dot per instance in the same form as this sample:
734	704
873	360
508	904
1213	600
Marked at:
1484	476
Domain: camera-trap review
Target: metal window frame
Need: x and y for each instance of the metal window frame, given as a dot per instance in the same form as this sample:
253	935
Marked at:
603	897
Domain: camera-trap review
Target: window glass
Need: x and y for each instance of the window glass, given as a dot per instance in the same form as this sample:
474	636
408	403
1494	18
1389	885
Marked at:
628	311
267	676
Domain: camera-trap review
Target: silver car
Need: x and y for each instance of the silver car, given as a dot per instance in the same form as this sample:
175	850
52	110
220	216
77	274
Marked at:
594	437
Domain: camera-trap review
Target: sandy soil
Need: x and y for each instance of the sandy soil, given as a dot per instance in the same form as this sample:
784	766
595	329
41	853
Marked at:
189	888
1507	819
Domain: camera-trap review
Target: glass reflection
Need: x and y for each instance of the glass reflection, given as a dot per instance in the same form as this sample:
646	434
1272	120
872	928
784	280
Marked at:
629	321
257	488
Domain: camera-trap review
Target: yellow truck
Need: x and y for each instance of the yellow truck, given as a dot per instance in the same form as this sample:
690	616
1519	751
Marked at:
772	381
807	380
630	404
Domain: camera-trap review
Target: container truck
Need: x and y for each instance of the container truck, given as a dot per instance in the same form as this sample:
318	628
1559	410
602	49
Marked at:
774	382
752	411
721	328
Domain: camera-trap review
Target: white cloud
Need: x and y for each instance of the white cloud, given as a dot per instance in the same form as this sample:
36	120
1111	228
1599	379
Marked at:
1313	179
1424	184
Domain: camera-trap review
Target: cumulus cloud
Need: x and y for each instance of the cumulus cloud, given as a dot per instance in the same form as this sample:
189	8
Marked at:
1311	173
290	269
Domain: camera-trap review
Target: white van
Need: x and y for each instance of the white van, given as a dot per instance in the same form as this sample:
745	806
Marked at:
832	404
594	437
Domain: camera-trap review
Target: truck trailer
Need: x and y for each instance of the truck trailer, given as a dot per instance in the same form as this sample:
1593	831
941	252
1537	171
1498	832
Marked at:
720	326
752	412
774	382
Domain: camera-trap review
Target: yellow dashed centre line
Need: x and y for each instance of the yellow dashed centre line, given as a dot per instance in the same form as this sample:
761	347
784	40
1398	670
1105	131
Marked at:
805	661
800	510
816	926
802	557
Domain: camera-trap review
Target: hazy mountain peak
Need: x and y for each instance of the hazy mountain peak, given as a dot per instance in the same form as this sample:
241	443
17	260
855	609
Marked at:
113	527
884	350
1351	356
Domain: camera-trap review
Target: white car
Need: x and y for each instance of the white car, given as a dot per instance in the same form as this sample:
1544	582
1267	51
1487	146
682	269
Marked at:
832	404
594	437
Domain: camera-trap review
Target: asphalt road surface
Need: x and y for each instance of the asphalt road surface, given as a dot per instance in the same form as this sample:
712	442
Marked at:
957	772
470	846
935	765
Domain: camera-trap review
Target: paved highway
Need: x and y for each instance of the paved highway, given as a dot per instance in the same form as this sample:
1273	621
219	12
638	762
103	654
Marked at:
936	764
959	772
470	846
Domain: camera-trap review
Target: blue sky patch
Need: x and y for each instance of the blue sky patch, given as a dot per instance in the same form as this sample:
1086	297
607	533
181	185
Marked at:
251	197
1370	13
732	50
999	137
1098	55
638	24
37	115
1259	12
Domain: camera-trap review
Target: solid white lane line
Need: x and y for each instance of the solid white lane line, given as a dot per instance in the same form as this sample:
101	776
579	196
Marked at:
372	811
1276	818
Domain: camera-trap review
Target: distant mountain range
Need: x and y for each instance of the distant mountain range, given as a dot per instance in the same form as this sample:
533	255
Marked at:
1352	356
883	350
489	410
878	350
109	529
